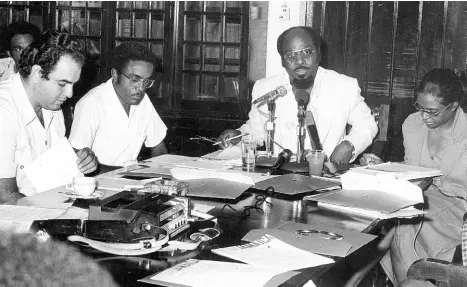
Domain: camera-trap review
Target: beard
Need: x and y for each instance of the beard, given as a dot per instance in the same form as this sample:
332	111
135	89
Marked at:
303	83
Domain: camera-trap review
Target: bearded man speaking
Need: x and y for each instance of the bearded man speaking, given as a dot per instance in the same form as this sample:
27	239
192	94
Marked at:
334	100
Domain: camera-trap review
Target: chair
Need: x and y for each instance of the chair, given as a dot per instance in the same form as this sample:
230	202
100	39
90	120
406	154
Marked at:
381	141
439	272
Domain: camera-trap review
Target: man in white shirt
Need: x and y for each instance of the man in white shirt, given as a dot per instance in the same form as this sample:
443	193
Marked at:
117	117
31	121
334	100
18	36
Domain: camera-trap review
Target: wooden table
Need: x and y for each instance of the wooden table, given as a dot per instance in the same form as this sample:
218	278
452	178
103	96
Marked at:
344	272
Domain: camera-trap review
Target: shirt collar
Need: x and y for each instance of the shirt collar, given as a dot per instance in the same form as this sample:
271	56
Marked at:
21	98
26	111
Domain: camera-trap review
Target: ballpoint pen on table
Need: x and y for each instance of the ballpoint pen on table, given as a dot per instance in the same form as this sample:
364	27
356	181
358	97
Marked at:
231	138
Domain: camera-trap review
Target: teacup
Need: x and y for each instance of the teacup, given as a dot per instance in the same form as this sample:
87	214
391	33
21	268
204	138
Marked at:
83	186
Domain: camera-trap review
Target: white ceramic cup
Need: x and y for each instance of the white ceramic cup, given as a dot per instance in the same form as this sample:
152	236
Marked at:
83	186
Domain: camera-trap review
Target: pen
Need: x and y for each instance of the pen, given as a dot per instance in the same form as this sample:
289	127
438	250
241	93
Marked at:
229	139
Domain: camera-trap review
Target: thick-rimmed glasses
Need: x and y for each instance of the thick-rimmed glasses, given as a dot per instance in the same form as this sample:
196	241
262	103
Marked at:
135	80
428	112
293	56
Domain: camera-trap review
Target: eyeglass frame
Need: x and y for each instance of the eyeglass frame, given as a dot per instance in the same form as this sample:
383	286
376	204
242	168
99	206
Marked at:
291	56
140	81
430	114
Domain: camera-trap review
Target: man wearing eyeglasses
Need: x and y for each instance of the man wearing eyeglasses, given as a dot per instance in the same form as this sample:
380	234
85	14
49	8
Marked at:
334	100
117	117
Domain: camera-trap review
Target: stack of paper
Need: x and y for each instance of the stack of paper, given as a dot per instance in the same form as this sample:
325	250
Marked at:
397	170
266	251
206	273
379	191
262	256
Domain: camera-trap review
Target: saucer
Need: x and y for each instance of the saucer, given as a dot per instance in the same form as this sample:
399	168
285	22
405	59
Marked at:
71	194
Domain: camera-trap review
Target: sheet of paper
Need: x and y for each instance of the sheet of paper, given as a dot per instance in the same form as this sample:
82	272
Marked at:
364	199
119	184
384	183
19	218
398	170
286	231
266	251
408	212
229	156
188	162
55	167
188	174
206	273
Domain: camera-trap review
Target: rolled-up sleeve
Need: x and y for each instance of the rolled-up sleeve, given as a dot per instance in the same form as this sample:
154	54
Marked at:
156	131
9	130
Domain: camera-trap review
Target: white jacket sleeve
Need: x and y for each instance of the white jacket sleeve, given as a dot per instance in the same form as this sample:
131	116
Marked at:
364	127
255	125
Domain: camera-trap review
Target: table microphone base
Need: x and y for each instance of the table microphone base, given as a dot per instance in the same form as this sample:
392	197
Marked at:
294	167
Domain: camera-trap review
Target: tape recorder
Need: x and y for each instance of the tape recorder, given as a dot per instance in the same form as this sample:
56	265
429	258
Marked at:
126	217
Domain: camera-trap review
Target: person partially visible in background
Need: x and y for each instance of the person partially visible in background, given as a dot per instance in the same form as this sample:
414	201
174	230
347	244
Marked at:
18	36
26	261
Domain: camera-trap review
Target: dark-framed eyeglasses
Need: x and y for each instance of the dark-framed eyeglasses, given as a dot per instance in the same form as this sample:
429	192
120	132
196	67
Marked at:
293	56
135	80
428	112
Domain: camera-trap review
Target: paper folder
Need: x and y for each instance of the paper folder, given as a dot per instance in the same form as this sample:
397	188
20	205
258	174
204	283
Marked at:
285	231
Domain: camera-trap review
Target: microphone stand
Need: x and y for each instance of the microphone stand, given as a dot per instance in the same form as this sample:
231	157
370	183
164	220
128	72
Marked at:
300	132
270	128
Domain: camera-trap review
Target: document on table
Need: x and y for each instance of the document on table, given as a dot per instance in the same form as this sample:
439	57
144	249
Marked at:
188	174
408	212
270	252
398	170
168	160
229	156
55	167
19	218
206	273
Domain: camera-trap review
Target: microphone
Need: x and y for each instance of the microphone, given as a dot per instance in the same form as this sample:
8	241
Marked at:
282	157
312	131
302	97
272	95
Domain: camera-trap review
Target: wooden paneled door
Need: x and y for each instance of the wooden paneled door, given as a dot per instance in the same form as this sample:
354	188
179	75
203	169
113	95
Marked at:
389	46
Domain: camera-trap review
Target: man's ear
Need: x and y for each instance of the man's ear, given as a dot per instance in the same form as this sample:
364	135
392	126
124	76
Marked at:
455	105
36	74
9	53
114	74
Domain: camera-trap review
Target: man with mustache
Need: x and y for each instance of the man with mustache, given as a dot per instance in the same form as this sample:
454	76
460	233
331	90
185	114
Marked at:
334	100
31	121
115	118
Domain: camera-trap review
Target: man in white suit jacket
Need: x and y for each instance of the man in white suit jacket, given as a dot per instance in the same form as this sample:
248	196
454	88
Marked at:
334	100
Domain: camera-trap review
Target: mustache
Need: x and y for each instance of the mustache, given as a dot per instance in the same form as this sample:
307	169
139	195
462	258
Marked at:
301	67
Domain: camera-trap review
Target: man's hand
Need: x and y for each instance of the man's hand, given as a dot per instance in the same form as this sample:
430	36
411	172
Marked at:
87	160
342	153
369	159
226	135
